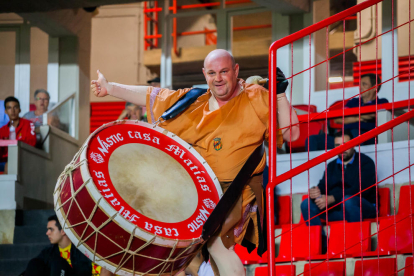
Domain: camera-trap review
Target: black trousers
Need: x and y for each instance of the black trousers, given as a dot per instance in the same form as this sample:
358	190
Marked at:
57	267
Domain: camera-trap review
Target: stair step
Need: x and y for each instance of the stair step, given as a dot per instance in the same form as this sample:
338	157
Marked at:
17	251
33	217
30	234
13	267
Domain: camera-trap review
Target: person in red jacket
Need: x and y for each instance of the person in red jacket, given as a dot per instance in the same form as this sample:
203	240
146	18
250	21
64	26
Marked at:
24	129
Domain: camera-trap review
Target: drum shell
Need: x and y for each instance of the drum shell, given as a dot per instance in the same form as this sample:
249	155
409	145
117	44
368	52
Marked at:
106	237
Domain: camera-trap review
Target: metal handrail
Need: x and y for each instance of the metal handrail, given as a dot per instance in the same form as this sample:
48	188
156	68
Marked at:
273	178
72	131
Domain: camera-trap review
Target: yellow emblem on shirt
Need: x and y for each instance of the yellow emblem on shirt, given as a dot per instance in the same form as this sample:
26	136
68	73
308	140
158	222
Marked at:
217	144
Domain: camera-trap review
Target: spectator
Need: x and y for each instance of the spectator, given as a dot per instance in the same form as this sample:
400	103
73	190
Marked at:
61	258
17	129
319	197
131	112
42	103
155	82
351	123
4	119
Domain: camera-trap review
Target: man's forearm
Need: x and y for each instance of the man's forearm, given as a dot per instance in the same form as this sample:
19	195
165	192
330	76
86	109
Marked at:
130	93
347	120
284	120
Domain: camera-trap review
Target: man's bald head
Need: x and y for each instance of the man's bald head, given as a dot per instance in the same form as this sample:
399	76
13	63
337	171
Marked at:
218	54
221	71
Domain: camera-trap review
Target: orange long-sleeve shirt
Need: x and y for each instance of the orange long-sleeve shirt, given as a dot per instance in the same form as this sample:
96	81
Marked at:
225	137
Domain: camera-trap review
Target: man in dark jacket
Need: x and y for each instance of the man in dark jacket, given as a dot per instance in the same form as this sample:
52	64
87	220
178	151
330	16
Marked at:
61	257
370	86
320	198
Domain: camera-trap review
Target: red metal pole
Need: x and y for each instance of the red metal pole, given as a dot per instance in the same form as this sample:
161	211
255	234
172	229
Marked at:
206	5
153	36
175	28
155	41
322	24
145	27
338	150
272	164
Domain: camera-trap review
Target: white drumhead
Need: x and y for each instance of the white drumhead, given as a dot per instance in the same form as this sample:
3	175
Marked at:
153	183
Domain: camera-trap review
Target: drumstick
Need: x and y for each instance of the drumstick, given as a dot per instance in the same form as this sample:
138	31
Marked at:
257	80
263	81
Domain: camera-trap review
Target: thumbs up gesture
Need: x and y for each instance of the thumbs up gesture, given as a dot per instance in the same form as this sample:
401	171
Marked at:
100	86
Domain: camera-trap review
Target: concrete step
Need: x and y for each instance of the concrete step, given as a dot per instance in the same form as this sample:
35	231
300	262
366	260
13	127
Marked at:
30	234
33	217
18	251
13	267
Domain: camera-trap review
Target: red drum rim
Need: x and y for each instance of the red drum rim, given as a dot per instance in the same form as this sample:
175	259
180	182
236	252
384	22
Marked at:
104	205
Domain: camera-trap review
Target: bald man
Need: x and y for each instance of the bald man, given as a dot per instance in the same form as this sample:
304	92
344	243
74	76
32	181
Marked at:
225	125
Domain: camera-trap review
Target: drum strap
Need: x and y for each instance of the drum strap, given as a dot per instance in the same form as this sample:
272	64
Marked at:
182	103
232	194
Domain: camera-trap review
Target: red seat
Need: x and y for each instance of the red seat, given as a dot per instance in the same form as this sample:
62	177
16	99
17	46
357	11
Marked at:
404	201
386	239
251	258
295	246
387	244
32	107
281	270
308	108
378	267
283	210
384	204
325	269
353	236
409	267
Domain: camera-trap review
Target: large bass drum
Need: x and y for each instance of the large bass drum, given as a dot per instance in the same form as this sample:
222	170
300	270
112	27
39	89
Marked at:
134	199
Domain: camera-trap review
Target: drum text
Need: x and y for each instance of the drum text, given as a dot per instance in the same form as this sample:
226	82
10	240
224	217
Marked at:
111	140
144	136
159	229
199	221
113	200
201	180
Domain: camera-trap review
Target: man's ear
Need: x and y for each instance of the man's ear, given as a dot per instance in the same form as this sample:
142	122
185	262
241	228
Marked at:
62	232
236	69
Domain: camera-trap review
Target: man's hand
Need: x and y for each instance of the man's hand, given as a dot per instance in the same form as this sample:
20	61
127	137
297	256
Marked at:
347	120
100	86
321	201
282	82
367	117
314	192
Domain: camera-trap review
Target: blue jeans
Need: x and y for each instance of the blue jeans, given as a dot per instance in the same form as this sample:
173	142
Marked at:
352	213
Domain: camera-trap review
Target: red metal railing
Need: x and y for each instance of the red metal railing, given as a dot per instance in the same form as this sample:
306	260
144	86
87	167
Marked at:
152	39
273	178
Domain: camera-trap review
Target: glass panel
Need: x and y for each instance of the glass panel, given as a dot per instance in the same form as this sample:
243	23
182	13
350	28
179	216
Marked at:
63	116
